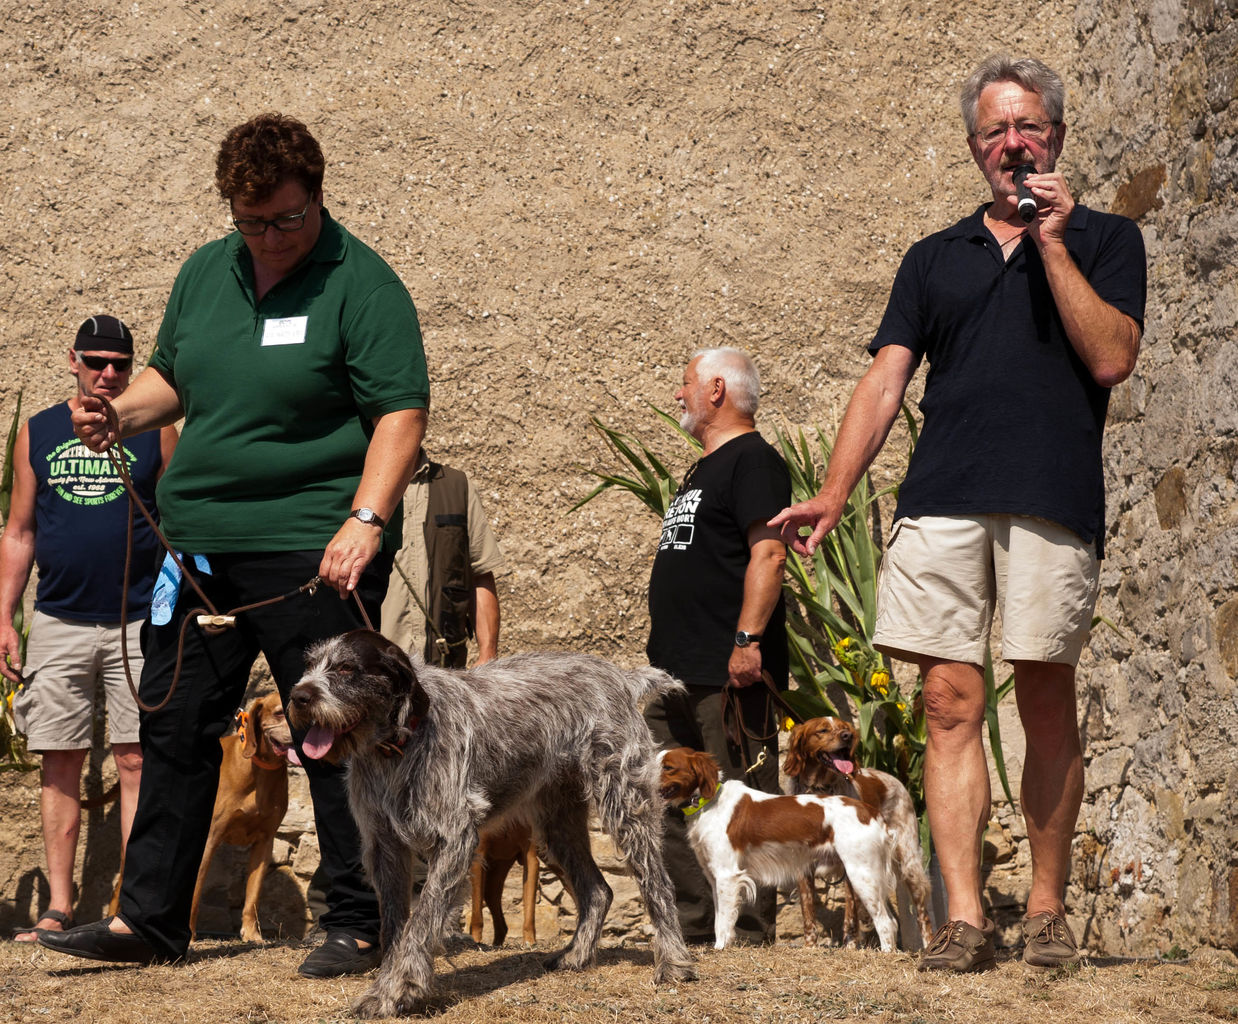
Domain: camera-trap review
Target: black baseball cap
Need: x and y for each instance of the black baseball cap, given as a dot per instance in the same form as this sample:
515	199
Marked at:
104	334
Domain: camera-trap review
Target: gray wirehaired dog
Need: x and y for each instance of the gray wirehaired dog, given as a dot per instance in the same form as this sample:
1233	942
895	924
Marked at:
436	754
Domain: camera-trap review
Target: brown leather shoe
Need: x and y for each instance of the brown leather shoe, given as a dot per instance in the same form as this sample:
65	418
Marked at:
959	946
1048	941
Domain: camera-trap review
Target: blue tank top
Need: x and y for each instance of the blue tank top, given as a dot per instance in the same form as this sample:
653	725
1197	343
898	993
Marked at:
81	507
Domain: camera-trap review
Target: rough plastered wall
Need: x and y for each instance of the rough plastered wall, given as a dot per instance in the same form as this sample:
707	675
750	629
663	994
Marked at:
580	194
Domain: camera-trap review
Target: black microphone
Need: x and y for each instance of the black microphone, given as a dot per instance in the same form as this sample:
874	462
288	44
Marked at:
1027	202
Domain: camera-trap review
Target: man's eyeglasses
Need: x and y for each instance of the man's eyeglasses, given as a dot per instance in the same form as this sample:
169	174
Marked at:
120	364
1031	131
257	226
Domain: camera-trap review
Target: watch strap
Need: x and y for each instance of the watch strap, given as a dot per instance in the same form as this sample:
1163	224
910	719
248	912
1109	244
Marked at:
367	515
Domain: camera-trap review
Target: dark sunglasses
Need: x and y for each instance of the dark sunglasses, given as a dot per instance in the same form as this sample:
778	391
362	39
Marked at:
120	364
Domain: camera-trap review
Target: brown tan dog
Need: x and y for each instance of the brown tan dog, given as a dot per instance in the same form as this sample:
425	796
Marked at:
251	800
498	850
821	759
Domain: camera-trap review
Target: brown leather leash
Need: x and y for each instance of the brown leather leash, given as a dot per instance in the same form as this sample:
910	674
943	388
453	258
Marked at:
208	618
733	715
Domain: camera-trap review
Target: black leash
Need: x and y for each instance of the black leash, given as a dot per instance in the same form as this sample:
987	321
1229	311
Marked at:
209	618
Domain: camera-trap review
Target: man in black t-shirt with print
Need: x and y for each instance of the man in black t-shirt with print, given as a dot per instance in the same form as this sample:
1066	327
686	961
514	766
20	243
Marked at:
716	609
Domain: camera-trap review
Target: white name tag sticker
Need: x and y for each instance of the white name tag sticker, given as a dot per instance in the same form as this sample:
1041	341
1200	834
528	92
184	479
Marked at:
288	330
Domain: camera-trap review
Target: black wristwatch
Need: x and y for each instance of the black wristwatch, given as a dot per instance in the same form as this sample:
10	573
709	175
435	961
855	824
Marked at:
367	515
743	639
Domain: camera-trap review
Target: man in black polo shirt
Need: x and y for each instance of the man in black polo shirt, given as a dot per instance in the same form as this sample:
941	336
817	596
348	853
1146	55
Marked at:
1026	325
716	611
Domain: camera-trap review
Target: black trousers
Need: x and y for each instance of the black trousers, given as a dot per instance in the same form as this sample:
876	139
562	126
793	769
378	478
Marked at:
180	742
694	720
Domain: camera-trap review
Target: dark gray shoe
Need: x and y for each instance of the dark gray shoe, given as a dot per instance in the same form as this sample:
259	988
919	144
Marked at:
959	946
339	954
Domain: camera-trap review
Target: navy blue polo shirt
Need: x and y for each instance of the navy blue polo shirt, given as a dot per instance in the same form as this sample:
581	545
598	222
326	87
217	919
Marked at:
1012	418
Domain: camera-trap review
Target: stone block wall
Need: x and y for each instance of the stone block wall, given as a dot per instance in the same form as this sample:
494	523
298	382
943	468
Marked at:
1153	113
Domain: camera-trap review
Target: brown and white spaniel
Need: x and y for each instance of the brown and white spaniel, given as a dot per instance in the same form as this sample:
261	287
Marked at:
744	838
821	759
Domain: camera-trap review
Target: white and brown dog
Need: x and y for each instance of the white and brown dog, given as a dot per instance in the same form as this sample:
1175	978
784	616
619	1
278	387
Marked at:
744	838
436	755
821	760
251	800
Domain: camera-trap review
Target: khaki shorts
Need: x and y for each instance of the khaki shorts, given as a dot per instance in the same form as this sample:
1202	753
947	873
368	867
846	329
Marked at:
65	663
942	577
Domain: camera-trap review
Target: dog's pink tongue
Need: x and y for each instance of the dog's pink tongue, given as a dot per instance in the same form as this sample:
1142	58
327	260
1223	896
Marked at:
846	767
291	755
317	742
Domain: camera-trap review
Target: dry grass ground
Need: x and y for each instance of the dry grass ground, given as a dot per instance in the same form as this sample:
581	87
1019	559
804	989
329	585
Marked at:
228	981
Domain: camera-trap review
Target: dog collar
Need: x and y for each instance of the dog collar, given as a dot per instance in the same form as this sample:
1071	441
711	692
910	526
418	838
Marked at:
697	805
395	748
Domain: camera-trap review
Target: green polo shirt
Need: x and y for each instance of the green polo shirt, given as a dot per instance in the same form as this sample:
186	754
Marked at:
280	395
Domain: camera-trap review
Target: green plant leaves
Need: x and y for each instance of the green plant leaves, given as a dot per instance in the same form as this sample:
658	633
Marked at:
12	744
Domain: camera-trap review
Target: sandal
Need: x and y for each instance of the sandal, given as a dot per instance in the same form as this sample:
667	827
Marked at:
59	916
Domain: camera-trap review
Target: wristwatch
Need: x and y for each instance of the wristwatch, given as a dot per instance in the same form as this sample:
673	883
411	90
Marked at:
367	515
743	639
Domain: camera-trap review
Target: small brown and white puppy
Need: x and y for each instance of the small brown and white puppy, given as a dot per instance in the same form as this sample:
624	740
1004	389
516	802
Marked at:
821	759
251	800
745	838
437	755
498	851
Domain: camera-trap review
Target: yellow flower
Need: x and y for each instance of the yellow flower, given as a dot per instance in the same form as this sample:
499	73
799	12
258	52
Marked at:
842	645
880	682
901	706
788	724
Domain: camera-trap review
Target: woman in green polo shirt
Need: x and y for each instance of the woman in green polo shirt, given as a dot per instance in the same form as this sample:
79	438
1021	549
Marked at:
293	353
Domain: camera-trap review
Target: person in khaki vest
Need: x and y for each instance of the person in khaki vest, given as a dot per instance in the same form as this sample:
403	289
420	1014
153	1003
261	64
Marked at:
442	589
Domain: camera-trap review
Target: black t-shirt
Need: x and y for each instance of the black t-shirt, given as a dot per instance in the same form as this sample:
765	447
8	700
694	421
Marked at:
1012	417
696	588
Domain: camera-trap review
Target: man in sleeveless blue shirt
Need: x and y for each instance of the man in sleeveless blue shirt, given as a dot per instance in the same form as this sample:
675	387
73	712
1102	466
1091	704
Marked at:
1026	319
69	513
